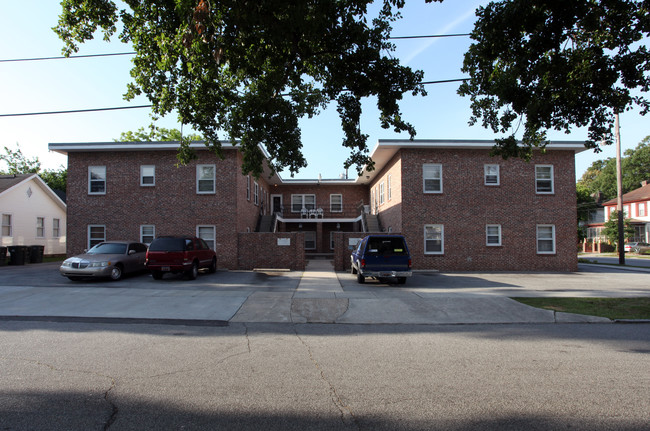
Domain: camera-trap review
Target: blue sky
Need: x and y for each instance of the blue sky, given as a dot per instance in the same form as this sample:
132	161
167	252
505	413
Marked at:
55	85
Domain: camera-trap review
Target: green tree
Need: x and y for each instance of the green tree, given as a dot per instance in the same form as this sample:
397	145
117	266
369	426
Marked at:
585	203
17	163
252	69
157	134
611	229
55	179
552	64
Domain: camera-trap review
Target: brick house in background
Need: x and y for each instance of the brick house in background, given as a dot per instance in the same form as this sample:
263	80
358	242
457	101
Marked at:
459	208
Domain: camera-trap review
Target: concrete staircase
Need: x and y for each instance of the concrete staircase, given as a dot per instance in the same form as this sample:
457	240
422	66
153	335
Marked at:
372	223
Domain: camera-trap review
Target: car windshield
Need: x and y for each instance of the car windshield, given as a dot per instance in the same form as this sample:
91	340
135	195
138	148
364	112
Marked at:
386	246
168	244
108	248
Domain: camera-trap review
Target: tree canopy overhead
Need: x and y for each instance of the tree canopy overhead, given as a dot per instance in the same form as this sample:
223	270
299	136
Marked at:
552	64
252	69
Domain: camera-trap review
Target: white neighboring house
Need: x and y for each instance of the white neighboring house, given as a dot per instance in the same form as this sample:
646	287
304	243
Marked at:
32	214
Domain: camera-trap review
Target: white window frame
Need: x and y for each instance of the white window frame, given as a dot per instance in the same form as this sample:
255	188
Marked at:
56	228
200	177
442	238
248	188
487	173
7	227
336	207
211	240
143	168
427	176
640	209
309	234
143	234
381	193
96	170
256	193
91	241
538	179
492	234
545	238
303	203
390	188
40	227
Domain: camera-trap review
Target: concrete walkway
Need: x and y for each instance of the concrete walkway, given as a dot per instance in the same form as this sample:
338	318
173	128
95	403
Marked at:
318	298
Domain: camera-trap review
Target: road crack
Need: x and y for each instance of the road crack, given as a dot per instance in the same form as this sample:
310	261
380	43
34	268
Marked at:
347	417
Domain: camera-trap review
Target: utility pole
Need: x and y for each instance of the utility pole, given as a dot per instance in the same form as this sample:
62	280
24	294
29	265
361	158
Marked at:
619	194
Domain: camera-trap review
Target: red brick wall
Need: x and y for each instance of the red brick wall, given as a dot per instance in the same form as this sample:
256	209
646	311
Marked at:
172	205
261	250
353	195
466	206
342	250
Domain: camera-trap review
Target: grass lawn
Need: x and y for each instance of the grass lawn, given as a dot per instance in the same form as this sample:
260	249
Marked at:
612	308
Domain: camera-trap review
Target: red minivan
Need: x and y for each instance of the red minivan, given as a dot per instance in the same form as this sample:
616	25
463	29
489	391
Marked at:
180	255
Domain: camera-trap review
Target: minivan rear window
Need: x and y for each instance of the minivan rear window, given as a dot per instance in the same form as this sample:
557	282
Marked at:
168	244
387	246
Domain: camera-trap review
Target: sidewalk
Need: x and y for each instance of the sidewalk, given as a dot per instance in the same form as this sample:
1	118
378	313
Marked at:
319	298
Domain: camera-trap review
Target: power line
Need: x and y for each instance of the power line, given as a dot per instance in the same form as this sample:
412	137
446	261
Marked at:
430	36
76	111
65	58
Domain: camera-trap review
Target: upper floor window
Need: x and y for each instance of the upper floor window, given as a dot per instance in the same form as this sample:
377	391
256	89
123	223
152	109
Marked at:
147	175
56	228
432	178
641	210
6	225
390	188
491	175
434	239
300	202
147	233
256	194
40	227
381	193
205	179
248	187
544	179
493	234
336	203
97	180
545	239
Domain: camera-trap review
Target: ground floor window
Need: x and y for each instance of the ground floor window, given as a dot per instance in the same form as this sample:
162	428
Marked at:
493	234
310	240
434	239
56	228
40	227
545	239
147	233
96	234
207	234
6	225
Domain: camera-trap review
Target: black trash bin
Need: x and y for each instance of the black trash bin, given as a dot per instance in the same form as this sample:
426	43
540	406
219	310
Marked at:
36	253
3	256
19	254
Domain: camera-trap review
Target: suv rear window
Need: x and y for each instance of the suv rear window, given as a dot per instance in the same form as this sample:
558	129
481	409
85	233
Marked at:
386	246
168	244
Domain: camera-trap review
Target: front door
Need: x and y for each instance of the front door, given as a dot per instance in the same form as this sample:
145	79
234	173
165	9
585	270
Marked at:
276	202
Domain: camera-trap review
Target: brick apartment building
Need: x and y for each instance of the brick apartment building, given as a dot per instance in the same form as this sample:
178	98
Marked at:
459	208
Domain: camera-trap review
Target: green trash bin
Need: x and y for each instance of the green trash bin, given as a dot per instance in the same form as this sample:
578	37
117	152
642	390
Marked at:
36	253
3	256
18	254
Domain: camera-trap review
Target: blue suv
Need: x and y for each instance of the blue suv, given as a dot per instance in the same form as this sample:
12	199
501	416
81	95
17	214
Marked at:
382	256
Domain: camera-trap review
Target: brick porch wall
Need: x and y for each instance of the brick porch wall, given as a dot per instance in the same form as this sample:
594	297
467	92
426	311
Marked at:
261	250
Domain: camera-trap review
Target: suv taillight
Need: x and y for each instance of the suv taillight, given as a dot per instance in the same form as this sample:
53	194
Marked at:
363	263
409	263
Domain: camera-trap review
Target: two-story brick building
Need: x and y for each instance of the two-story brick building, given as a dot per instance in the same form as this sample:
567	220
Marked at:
459	208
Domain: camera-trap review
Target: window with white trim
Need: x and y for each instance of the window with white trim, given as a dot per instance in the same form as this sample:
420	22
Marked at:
147	233
544	179
207	234
40	227
336	203
493	234
298	202
96	234
96	180
205	179
545	239
256	193
390	188
248	187
491	175
56	228
6	225
641	209
432	178
381	193
147	175
434	239
310	240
